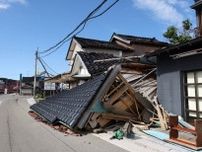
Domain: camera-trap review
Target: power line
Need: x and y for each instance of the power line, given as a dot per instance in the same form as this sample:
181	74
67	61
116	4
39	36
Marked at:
84	22
64	42
77	27
106	10
48	66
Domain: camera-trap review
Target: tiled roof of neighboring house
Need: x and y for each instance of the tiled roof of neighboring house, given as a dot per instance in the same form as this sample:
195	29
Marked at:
95	68
92	43
30	79
183	47
197	4
142	40
68	106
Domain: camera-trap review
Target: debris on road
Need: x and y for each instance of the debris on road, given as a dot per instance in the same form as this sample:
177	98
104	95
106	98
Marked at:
59	127
123	97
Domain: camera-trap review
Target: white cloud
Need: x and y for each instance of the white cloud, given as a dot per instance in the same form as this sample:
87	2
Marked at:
5	4
170	11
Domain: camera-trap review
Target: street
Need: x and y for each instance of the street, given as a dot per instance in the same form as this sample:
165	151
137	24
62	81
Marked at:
19	132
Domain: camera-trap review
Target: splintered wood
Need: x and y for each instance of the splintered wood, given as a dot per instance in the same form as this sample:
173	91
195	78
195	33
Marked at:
132	97
145	84
121	105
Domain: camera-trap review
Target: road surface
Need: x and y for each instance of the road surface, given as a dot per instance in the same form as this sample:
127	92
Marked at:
21	133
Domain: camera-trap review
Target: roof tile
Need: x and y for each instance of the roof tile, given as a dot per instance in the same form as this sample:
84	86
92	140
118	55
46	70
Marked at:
68	106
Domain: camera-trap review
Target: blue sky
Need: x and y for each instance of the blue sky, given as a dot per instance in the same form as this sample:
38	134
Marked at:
28	24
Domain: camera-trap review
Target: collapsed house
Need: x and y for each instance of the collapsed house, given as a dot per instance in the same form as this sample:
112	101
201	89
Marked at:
105	99
99	96
104	94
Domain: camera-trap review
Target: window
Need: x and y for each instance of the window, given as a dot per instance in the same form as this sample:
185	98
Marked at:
193	94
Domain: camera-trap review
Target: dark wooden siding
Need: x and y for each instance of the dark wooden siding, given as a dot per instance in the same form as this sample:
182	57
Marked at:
170	80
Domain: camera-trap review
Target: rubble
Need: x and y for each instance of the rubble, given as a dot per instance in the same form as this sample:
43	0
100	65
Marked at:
123	97
59	127
125	93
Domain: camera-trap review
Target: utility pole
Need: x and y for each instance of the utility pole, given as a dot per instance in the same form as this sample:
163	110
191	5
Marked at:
35	75
20	90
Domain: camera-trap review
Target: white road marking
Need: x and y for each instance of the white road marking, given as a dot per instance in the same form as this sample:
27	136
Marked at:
1	102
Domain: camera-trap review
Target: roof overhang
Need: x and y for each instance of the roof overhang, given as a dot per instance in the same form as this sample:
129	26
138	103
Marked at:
180	48
61	78
197	5
114	36
71	50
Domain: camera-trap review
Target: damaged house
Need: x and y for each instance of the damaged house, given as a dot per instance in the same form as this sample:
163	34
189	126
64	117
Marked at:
179	75
83	51
102	93
100	101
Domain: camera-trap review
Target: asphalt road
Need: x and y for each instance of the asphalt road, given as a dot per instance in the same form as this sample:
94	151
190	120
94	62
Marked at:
21	133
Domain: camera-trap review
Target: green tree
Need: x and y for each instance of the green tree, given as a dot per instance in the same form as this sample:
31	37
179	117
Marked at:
175	36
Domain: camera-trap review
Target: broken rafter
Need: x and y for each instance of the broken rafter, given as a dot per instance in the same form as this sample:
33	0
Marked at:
130	58
146	75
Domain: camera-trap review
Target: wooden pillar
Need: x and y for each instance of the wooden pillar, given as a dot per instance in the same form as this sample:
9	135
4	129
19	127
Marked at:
173	122
198	128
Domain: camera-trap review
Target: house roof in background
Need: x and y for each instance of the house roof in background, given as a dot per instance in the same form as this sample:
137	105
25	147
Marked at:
180	48
140	40
30	79
197	4
6	79
69	106
95	68
99	44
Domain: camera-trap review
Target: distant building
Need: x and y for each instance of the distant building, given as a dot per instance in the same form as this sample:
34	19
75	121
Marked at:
8	85
27	84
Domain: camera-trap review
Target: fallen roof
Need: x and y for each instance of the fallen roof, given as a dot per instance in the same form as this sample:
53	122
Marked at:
95	68
68	106
180	48
141	40
93	43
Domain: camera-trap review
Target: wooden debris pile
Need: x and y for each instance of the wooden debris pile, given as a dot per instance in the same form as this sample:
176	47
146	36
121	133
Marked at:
131	97
125	94
142	78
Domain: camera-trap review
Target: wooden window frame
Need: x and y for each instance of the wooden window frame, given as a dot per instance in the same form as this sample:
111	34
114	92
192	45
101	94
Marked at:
197	98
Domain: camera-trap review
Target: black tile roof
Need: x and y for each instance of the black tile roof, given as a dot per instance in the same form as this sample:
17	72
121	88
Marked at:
198	3
30	79
95	68
142	40
68	106
179	48
99	44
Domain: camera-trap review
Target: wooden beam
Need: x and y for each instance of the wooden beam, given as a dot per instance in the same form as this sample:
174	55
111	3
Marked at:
111	99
